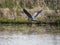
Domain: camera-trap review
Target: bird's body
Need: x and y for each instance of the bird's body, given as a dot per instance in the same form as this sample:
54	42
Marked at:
32	17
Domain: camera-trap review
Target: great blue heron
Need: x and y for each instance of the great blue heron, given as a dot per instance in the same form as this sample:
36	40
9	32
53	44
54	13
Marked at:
32	17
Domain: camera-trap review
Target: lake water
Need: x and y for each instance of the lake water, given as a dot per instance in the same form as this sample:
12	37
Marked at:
42	39
11	38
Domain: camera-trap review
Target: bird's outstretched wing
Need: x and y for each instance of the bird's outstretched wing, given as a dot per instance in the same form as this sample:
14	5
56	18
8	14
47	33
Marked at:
27	13
37	13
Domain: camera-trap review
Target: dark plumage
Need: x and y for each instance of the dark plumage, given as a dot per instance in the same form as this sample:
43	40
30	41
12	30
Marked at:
32	17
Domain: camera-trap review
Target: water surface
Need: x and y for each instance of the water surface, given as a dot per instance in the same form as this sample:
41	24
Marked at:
43	35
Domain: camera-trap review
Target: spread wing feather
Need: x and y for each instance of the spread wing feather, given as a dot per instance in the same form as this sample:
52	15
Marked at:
27	13
37	13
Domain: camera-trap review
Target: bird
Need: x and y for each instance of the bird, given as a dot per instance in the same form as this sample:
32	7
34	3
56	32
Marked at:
32	17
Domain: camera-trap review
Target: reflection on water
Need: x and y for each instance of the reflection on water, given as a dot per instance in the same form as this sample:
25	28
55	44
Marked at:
32	35
30	29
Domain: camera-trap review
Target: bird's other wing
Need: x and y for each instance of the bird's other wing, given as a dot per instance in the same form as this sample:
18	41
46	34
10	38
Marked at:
36	14
27	13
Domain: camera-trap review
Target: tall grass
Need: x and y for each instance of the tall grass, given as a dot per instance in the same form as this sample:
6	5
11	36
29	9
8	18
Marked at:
15	5
53	4
21	3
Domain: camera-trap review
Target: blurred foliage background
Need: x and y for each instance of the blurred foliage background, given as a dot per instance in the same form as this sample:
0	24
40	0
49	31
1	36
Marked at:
29	3
13	9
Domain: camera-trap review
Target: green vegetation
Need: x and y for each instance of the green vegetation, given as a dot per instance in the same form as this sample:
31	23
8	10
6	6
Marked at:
21	20
19	4
58	20
12	20
52	4
16	6
9	4
17	20
25	4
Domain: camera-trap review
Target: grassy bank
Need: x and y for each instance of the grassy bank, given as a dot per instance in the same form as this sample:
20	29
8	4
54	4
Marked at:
25	4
